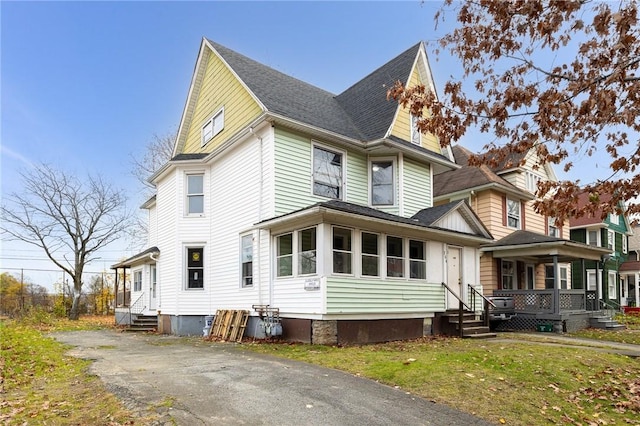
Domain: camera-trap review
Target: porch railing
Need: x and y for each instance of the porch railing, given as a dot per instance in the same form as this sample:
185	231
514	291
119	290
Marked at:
477	297
545	301
134	308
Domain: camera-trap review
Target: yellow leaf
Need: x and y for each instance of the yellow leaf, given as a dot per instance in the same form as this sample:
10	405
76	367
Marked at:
503	421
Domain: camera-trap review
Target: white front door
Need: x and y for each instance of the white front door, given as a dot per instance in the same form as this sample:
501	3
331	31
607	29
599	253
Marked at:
153	288
454	276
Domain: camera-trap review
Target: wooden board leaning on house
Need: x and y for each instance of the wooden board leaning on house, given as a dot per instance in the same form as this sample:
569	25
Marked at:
229	324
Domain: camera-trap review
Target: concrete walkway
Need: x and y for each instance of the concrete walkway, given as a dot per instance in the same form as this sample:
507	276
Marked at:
192	382
555	339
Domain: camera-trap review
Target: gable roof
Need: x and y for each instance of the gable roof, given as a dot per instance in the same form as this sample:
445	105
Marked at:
470	177
360	113
366	101
596	218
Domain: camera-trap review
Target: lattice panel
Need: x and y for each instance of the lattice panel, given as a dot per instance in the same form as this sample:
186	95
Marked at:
571	302
520	323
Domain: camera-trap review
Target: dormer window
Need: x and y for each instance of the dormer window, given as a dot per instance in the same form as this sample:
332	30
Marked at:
416	136
532	181
213	126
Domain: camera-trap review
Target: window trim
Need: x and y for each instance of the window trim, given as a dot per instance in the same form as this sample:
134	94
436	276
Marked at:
611	240
343	170
625	244
212	120
298	250
350	252
508	215
186	266
403	257
280	256
610	294
394	185
598	236
243	283
422	261
188	195
551	225
413	119
137	285
378	255
532	180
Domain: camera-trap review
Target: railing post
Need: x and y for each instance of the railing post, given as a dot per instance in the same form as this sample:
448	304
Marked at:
460	319
486	313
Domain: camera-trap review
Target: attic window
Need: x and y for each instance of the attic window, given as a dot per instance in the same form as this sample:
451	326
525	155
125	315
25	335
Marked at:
213	126
416	136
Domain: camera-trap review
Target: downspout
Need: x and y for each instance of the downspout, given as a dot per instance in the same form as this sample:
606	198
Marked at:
260	195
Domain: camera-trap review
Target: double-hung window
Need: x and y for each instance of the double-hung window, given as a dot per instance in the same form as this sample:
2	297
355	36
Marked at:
625	246
395	257
550	277
416	136
611	240
554	231
382	191
370	255
327	173
612	284
246	255
212	126
513	213
342	253
195	194
417	260
137	281
284	255
592	237
195	267
307	251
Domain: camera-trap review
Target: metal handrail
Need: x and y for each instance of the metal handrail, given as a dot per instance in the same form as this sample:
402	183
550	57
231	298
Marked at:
611	304
456	296
485	304
134	308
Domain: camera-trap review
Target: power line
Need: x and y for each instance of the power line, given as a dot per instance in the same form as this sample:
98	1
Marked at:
46	270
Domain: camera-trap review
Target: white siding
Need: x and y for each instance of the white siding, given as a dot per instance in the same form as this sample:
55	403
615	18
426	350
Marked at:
152	214
455	222
168	266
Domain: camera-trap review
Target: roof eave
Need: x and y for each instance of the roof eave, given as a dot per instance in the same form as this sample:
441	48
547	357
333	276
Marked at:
526	195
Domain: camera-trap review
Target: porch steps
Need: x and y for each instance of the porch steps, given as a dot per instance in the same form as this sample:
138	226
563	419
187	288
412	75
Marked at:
472	328
605	323
143	323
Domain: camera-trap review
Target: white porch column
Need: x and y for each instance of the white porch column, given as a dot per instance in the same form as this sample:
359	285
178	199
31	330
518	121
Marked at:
637	277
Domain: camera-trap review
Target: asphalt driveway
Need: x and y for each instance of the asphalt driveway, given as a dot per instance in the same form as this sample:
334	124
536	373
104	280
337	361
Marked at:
202	383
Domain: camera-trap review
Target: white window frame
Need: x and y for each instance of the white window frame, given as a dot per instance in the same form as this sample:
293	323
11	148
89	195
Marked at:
564	270
416	261
377	255
614	218
532	180
187	268
509	215
416	135
612	284
625	246
592	286
342	252
189	195
246	248
611	240
597	231
393	162
137	280
212	127
343	162
402	258
280	256
311	254
554	231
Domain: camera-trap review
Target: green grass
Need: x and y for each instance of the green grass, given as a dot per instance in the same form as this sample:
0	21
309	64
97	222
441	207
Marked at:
44	386
631	335
514	383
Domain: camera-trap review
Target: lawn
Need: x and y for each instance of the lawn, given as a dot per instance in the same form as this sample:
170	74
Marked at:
506	383
630	335
44	386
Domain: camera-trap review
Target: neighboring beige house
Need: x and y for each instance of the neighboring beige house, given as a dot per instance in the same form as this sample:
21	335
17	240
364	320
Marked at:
530	259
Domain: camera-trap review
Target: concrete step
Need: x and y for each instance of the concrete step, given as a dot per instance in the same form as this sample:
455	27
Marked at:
481	336
469	331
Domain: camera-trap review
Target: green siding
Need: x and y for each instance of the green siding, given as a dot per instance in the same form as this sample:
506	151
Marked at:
355	295
417	187
293	174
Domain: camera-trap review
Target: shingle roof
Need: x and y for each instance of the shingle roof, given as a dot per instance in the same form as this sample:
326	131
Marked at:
583	200
466	177
361	112
431	215
524	237
185	157
366	101
127	262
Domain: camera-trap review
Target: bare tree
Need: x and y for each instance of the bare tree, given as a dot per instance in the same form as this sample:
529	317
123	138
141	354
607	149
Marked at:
64	215
561	78
157	152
